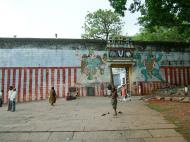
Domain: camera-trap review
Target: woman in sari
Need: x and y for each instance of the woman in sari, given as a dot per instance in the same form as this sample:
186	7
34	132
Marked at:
52	96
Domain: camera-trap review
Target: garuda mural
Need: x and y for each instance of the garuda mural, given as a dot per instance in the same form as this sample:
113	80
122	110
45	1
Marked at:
92	64
149	65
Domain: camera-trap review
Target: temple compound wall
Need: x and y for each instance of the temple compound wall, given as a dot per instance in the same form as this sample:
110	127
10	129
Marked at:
33	66
159	64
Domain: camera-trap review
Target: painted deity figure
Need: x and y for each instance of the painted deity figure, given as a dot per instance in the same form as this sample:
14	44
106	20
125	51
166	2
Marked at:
91	64
150	65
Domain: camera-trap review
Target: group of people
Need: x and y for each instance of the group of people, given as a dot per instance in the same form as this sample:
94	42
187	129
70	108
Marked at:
11	99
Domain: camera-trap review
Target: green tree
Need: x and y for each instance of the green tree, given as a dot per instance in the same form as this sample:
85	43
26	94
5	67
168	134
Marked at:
157	12
170	14
102	24
161	34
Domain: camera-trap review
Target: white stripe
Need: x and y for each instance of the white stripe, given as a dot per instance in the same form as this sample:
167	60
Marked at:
5	86
49	85
22	85
11	77
66	81
44	83
55	80
78	75
16	82
27	84
33	84
39	79
72	76
61	84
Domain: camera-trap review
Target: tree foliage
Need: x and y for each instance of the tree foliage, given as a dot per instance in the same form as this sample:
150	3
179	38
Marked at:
170	14
101	24
162	34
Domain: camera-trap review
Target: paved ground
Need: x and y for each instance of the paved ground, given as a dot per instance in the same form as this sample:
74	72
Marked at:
81	120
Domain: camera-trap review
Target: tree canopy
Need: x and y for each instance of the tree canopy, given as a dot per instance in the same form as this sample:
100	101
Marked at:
101	24
161	33
170	14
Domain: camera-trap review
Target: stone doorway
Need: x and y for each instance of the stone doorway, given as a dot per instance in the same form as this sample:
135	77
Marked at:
121	76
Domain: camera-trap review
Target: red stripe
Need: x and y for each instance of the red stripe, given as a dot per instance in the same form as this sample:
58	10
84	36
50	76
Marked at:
69	77
82	92
179	75
47	82
171	75
75	76
3	81
175	76
142	88
146	88
24	87
166	74
184	77
52	77
58	82
149	87
188	75
41	84
36	84
63	82
8	82
19	84
14	76
30	85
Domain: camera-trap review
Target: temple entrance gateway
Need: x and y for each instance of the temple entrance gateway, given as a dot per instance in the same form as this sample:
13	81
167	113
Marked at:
121	77
120	58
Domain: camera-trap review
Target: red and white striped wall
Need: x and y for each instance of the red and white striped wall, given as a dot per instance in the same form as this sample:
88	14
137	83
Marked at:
177	75
144	88
34	83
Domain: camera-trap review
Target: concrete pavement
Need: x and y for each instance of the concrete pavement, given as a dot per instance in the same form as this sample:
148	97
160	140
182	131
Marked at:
87	119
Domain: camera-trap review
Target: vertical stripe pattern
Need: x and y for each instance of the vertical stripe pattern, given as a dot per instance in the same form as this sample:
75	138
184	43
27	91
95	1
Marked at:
34	83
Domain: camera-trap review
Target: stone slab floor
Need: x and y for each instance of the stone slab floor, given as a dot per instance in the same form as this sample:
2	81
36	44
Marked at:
81	120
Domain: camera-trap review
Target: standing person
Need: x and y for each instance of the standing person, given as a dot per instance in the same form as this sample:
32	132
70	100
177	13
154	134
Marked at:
9	95
186	90
52	96
13	100
114	100
109	90
1	98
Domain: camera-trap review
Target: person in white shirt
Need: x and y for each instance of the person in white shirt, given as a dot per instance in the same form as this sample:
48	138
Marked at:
9	95
1	98
13	100
186	90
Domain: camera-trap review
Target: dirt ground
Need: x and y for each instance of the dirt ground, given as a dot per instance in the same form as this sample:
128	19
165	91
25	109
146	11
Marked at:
175	112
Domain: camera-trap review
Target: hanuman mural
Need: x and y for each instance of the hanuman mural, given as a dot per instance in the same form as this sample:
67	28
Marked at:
149	65
92	64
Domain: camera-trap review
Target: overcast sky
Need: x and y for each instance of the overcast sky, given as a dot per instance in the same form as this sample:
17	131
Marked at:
44	18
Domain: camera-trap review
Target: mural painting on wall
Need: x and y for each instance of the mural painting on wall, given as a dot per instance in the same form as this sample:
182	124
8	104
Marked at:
149	64
93	65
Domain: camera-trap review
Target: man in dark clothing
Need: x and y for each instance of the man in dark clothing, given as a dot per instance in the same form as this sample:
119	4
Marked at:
114	100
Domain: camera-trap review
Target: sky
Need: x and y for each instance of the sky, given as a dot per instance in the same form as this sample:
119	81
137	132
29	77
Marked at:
44	18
